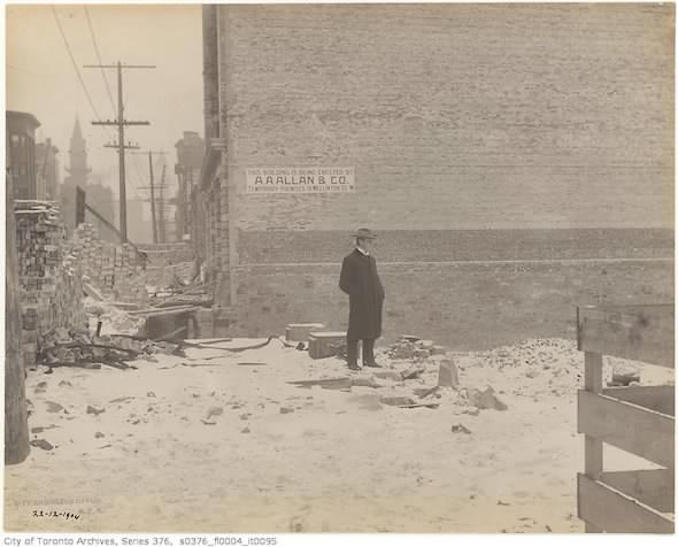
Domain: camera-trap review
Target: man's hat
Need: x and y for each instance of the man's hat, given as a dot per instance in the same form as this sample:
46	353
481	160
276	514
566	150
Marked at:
364	233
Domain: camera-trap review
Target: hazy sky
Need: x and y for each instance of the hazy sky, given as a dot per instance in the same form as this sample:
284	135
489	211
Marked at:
41	78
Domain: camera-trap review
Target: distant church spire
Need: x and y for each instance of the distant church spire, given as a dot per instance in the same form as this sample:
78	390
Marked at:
77	132
78	168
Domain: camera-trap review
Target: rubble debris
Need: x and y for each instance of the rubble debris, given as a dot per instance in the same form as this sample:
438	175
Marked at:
95	411
99	435
447	374
245	430
286	410
92	291
412	372
122	400
623	379
486	399
397	400
42	443
40	429
420	405
388	375
78	349
461	428
214	411
422	393
471	411
324	344
251	364
325	383
410	348
53	407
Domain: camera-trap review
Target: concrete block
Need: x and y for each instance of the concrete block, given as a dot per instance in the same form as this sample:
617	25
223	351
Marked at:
319	343
447	374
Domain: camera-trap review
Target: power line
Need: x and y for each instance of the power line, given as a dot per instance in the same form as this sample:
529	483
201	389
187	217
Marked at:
96	50
75	65
121	123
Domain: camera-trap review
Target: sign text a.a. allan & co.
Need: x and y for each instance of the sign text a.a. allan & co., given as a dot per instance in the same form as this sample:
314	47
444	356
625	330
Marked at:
293	180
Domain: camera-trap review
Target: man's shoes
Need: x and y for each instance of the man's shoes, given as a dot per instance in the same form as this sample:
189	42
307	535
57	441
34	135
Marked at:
373	364
352	366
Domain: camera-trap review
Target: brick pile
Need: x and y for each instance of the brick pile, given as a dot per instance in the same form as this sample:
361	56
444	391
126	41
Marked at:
116	270
49	278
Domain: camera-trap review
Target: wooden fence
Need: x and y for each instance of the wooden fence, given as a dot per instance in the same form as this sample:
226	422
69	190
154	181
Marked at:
637	419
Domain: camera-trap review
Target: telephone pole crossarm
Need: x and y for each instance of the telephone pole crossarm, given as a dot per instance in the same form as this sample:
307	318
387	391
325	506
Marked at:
121	122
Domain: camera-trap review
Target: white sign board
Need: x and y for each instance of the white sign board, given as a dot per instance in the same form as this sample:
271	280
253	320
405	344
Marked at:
300	180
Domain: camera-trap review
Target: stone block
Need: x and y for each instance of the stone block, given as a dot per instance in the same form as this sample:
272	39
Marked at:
299	332
320	343
447	374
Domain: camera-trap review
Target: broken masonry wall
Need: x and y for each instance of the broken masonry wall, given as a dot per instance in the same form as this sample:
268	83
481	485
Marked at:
167	260
49	277
116	270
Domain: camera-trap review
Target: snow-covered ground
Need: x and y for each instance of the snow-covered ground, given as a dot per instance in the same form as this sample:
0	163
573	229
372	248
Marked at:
219	441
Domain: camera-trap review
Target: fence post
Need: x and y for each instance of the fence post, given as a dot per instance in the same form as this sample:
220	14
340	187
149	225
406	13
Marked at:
593	448
16	422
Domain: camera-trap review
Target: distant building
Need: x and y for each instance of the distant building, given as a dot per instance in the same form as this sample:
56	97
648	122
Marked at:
99	196
20	153
190	152
47	170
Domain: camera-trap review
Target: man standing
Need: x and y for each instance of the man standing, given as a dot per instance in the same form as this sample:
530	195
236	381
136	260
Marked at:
360	280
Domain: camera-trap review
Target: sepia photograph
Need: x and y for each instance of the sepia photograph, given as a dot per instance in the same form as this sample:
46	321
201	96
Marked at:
328	268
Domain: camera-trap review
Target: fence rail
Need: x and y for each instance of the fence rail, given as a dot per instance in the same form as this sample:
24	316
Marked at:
637	419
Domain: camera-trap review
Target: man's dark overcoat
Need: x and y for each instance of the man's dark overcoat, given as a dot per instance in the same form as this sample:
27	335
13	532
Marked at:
360	280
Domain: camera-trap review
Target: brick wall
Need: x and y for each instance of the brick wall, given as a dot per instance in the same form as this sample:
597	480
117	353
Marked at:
447	245
454	116
477	132
116	270
466	306
49	277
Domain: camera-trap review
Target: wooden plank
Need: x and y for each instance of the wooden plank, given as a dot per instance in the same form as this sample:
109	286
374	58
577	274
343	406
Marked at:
154	312
653	487
593	382
658	398
643	432
641	333
17	437
612	511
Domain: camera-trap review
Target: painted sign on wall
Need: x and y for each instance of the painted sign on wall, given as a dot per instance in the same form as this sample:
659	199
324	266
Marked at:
300	180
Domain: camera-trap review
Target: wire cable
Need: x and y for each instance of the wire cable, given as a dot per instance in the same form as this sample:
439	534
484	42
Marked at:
77	70
98	54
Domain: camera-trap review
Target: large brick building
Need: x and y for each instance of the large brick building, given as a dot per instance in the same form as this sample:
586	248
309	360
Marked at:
471	132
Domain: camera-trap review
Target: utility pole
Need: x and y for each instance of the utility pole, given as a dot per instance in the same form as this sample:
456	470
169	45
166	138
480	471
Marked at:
121	122
155	225
161	206
152	188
